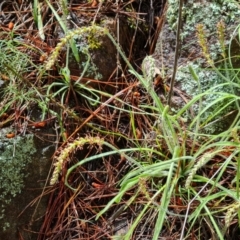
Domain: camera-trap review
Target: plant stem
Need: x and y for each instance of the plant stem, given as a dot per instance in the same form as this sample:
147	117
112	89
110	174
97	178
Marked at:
176	51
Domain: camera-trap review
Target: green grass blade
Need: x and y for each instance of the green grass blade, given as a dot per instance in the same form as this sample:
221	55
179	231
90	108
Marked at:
167	193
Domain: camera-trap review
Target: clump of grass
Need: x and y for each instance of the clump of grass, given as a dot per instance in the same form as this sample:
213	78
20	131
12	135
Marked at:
16	65
178	164
173	169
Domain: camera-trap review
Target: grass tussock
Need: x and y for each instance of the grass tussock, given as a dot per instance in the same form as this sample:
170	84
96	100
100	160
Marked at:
126	165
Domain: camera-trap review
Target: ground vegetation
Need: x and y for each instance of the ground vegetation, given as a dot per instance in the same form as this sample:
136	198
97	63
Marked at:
127	165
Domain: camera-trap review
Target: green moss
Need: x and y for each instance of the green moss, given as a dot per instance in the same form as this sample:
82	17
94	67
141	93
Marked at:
15	154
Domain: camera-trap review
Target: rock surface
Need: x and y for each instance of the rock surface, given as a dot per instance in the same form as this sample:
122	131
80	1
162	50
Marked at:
25	163
103	59
210	15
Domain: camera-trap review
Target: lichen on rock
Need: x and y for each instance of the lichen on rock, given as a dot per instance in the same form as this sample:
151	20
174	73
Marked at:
15	154
209	14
